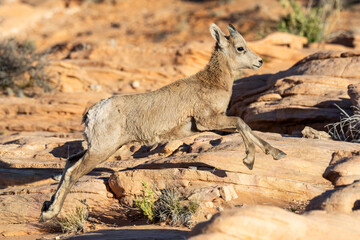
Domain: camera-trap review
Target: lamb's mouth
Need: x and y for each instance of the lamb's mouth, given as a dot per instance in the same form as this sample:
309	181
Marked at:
256	67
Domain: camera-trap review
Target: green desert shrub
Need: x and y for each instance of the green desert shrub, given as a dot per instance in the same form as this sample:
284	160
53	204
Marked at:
21	67
314	23
146	202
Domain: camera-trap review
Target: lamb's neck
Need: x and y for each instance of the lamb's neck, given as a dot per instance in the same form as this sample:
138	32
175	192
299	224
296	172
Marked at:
217	72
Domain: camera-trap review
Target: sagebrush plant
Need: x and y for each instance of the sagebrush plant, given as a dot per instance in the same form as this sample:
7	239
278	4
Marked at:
169	207
348	128
75	221
172	208
314	23
21	67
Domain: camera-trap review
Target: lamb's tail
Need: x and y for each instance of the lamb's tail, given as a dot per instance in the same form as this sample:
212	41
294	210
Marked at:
85	116
94	119
87	110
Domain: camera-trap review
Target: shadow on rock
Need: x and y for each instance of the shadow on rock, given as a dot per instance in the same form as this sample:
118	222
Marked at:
134	234
68	149
317	202
184	165
22	176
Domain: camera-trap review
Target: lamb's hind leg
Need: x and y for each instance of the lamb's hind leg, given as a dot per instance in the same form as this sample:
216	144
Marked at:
74	169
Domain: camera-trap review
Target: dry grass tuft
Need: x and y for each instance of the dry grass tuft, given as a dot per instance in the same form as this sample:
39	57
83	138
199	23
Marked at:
74	222
21	68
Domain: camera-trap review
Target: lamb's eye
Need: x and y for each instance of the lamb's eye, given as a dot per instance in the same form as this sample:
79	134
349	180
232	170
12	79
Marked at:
240	49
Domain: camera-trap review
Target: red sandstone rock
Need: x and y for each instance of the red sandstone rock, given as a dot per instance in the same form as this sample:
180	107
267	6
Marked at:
262	222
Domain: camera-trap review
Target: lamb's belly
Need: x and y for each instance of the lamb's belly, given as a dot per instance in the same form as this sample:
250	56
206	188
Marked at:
185	129
155	133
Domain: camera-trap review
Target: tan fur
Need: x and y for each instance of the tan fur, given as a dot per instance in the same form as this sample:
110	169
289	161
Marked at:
182	108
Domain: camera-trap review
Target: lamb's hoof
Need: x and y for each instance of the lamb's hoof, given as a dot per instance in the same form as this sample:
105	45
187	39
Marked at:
46	212
47	216
46	205
279	155
248	164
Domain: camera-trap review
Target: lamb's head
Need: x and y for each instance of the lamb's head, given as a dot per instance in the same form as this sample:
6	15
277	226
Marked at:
235	49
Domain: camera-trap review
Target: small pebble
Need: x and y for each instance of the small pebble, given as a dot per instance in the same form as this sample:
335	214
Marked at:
135	84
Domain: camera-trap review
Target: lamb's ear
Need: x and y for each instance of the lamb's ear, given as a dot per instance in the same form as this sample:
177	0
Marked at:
232	30
218	35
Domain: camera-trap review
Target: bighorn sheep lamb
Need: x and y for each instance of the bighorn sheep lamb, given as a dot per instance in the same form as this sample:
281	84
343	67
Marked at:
182	108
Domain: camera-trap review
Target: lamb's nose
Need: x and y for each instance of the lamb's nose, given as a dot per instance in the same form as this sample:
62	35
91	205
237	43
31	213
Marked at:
261	61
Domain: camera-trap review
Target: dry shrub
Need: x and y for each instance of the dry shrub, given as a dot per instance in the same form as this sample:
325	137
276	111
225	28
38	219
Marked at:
21	67
348	128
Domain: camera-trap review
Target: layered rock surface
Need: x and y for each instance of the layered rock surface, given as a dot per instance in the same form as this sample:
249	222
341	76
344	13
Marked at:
204	165
338	219
51	113
263	222
343	172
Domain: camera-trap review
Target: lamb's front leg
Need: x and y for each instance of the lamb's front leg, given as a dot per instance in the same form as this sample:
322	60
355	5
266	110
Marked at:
221	122
263	145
